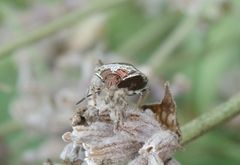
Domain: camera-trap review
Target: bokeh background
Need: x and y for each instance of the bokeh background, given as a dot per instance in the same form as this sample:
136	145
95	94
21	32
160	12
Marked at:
193	44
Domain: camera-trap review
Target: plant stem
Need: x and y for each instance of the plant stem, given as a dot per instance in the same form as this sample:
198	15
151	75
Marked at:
175	38
147	35
57	25
211	119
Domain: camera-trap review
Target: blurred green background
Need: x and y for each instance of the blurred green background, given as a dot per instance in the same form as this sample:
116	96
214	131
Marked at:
195	40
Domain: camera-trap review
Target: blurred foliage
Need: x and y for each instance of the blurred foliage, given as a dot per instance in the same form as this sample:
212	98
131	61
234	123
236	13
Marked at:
8	76
209	150
205	56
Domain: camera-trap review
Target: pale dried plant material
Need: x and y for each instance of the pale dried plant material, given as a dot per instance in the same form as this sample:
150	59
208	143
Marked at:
88	33
212	10
49	149
46	98
40	13
114	130
152	7
190	7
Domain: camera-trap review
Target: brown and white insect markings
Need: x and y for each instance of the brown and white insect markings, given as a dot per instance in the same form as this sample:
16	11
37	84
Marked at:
166	111
110	78
122	75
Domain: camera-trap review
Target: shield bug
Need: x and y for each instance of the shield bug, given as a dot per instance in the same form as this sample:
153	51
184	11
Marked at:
119	75
122	75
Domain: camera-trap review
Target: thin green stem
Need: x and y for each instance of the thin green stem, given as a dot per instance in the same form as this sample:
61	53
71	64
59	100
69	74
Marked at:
57	25
210	120
147	35
175	38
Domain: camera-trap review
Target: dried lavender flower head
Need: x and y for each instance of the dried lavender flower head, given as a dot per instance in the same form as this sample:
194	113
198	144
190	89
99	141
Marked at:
113	130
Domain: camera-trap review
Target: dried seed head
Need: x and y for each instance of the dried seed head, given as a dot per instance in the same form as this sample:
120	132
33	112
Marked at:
118	132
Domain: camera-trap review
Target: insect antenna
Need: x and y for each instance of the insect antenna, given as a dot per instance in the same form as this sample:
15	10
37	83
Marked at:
84	98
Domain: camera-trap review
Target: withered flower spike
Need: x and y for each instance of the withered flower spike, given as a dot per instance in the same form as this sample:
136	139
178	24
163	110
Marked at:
169	104
166	111
168	101
118	132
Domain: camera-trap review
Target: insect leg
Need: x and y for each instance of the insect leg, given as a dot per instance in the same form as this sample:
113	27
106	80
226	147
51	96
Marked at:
143	94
